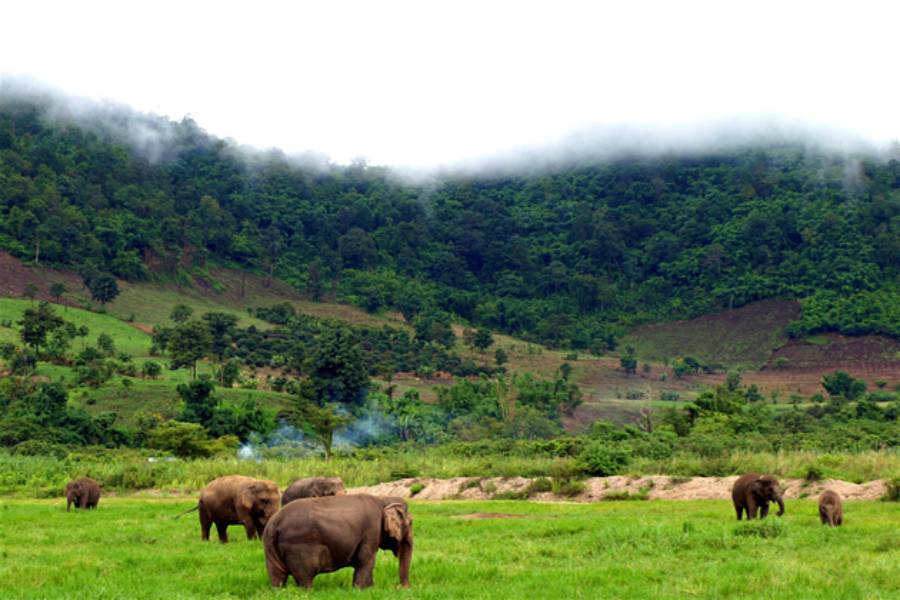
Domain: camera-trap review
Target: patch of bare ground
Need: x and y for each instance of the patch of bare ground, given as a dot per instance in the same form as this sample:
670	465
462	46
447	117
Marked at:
651	487
15	277
742	336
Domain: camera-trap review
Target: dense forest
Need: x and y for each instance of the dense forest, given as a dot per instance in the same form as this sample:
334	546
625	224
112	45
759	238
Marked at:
569	257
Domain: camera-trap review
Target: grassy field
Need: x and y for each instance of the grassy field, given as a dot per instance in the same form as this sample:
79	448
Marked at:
126	337
134	548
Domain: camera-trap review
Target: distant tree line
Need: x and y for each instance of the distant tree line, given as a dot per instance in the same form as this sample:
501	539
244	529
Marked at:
568	257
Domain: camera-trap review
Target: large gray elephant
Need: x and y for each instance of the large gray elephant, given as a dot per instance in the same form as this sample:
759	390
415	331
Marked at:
237	500
753	492
321	535
312	487
83	493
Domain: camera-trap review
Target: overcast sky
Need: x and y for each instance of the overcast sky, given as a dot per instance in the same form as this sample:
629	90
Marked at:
425	83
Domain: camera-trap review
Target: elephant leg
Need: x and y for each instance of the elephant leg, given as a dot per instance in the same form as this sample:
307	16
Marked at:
303	566
205	525
222	529
764	510
752	508
250	528
259	529
362	572
740	510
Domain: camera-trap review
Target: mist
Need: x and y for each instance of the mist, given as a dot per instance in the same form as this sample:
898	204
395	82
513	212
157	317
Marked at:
157	140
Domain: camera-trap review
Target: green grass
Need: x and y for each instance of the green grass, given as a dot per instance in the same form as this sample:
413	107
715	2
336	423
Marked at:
160	396
133	548
126	337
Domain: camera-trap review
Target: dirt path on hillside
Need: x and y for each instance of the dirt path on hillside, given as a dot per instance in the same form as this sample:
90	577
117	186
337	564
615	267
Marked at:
655	487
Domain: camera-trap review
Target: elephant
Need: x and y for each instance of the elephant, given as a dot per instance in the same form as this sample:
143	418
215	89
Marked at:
237	500
320	535
83	493
831	510
313	487
753	492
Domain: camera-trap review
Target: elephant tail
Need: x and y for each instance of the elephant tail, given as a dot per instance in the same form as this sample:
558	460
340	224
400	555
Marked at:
278	571
179	515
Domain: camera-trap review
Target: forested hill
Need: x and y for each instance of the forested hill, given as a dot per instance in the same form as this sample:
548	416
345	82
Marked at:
570	257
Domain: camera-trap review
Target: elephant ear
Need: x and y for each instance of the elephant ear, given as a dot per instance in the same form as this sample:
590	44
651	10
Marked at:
248	496
396	521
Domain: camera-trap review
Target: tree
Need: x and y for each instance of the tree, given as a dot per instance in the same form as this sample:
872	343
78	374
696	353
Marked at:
37	323
357	248
229	373
181	313
151	369
106	344
58	290
500	357
319	421
31	291
187	440
221	328
314	280
103	288
199	402
842	384
337	372
628	362
483	339
188	343
434	327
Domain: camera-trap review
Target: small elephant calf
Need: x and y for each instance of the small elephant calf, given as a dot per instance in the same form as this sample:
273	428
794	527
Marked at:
83	493
831	510
752	494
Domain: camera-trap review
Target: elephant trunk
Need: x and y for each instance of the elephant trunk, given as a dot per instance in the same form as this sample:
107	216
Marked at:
405	555
780	502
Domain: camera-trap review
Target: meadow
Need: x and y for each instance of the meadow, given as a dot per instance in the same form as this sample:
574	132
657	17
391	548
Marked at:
134	548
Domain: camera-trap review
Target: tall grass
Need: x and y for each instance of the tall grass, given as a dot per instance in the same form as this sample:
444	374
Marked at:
131	470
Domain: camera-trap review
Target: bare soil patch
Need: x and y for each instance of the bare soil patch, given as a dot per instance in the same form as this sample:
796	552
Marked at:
651	487
742	336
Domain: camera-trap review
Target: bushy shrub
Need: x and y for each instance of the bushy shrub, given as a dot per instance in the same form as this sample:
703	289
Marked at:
40	448
151	369
601	460
568	487
892	491
539	486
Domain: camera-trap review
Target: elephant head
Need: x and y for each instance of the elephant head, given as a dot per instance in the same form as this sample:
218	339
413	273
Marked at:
331	486
396	536
261	500
75	493
766	489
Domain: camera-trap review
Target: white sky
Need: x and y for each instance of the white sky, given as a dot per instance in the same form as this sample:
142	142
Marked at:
425	82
